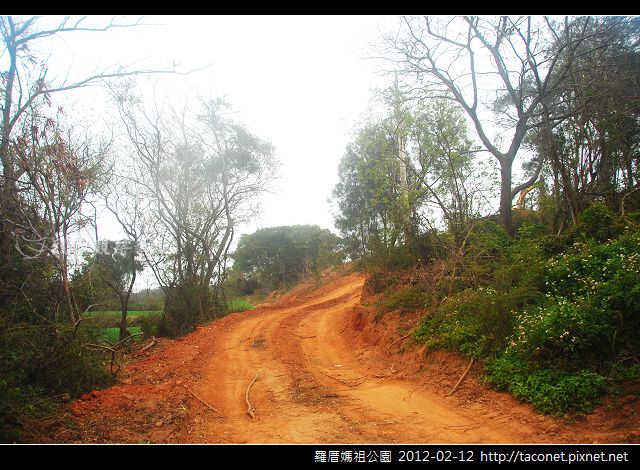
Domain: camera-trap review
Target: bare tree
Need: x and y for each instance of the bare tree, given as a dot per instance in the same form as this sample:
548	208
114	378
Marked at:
455	57
123	262
58	174
200	174
25	82
45	176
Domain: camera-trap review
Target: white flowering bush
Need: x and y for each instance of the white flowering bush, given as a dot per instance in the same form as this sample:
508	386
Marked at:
476	322
564	350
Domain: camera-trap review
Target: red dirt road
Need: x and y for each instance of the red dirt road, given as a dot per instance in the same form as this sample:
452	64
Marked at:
320	379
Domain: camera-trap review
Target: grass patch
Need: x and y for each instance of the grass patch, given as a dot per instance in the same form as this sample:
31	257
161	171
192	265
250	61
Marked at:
112	335
112	318
239	305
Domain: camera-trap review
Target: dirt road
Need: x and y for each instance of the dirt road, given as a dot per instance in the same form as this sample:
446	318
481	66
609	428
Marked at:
316	381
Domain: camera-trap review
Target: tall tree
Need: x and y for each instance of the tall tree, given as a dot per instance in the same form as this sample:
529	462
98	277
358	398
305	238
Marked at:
201	175
118	263
121	261
44	176
384	194
594	151
451	57
369	193
58	175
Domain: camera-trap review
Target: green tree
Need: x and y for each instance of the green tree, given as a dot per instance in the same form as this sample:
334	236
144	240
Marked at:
368	194
278	257
412	158
531	59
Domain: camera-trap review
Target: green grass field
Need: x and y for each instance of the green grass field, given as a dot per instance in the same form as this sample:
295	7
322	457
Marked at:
108	322
113	334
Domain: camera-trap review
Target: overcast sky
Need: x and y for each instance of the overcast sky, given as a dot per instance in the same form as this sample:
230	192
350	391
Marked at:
300	82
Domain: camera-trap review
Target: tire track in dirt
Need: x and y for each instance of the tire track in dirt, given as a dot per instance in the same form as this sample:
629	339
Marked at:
312	389
245	349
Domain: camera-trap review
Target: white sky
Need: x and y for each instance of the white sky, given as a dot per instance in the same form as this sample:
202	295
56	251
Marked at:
300	82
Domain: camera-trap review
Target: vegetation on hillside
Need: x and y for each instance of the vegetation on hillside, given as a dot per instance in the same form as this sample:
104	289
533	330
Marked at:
177	183
545	293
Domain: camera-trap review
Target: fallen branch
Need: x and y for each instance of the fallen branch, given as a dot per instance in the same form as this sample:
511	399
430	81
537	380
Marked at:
462	378
400	339
302	337
113	349
77	324
250	408
348	384
121	342
153	342
200	399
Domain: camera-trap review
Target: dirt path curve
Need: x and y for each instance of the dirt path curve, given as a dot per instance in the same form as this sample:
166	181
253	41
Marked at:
316	383
311	388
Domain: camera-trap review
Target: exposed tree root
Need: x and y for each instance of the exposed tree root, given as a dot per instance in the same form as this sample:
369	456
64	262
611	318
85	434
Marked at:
153	342
399	339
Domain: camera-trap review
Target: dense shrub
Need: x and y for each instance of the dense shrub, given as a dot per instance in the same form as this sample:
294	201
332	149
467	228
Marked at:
597	223
39	366
378	282
583	330
555	317
476	322
547	389
406	300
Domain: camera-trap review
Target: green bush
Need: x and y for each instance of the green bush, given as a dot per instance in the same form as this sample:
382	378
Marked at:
476	322
583	330
407	300
11	399
597	223
563	333
378	282
550	391
152	325
605	278
42	364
